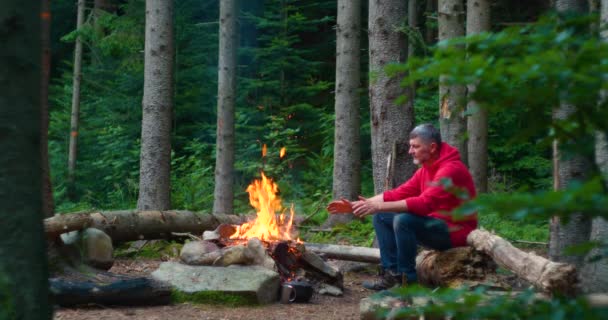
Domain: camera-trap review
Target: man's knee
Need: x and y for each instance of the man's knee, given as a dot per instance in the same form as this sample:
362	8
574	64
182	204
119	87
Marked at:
404	221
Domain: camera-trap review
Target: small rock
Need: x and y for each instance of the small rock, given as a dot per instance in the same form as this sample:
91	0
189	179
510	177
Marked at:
200	253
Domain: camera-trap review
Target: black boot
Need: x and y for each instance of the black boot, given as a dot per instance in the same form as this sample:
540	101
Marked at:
387	280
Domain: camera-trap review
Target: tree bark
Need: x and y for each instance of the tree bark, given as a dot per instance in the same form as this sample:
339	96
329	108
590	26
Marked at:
566	170
451	97
48	205
155	159
412	23
478	20
429	32
391	122
74	118
347	151
224	160
546	275
596	272
23	266
124	226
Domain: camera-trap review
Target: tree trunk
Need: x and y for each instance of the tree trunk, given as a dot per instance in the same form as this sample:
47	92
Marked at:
23	266
429	32
596	272
568	168
391	122
48	205
76	79
224	160
544	274
155	161
452	123
124	226
412	23
347	151
478	20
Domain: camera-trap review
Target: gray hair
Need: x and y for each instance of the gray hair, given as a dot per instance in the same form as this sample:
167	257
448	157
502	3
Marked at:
427	133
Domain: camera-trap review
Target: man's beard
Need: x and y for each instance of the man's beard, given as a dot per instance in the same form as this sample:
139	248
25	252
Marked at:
416	161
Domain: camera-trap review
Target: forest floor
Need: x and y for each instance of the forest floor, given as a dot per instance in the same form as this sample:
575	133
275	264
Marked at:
320	307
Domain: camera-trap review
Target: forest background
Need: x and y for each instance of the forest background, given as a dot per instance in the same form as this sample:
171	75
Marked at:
285	98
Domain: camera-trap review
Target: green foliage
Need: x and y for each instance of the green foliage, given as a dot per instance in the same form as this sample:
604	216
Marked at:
513	229
478	304
158	249
214	298
7	309
357	233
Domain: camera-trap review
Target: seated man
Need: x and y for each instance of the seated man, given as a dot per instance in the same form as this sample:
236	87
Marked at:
418	211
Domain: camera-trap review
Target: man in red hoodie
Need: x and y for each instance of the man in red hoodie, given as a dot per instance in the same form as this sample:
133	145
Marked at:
418	211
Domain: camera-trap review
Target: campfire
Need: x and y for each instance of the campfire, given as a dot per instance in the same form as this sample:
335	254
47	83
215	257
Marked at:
269	240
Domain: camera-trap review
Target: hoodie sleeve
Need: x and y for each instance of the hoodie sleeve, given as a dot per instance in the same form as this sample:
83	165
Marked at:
434	197
408	189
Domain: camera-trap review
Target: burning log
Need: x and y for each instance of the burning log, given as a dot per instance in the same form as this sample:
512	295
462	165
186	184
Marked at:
129	225
546	275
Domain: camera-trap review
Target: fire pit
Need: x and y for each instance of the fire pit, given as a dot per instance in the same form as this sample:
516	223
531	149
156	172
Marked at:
270	240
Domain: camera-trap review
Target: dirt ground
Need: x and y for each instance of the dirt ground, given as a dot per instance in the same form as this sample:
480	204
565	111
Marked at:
320	307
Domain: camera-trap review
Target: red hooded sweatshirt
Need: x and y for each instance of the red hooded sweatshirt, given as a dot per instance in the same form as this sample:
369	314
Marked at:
425	194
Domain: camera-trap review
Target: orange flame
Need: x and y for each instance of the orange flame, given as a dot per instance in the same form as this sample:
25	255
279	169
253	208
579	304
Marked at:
282	153
267	226
264	150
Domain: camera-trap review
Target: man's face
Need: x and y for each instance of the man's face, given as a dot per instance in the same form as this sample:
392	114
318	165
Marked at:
422	152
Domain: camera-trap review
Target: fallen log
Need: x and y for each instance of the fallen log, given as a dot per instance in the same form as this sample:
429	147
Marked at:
120	291
341	252
133	225
448	268
546	275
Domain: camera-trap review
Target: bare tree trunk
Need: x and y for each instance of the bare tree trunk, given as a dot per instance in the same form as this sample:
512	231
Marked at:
429	32
224	160
566	170
390	122
23	265
347	151
451	97
478	20
596	272
48	205
412	23
155	161
74	119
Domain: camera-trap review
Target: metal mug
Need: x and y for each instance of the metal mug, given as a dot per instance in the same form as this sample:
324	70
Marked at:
296	291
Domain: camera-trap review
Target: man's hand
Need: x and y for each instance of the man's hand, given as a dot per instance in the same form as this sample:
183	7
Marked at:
364	207
340	206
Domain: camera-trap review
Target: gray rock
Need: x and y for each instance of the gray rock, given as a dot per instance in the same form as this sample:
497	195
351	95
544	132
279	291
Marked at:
330	290
258	253
320	266
234	255
200	253
240	280
93	245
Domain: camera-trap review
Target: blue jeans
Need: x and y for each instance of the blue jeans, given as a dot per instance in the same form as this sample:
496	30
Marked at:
399	234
